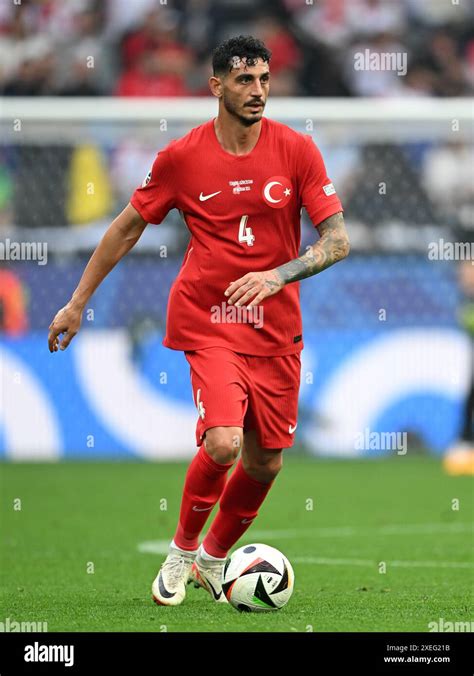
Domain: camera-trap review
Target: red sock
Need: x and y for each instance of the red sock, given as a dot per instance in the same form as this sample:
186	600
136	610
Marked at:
203	486
238	507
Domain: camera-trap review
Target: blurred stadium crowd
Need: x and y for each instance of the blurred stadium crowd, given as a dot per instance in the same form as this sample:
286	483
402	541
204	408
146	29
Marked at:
162	47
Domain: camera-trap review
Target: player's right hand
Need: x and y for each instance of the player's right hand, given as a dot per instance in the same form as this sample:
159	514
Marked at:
67	321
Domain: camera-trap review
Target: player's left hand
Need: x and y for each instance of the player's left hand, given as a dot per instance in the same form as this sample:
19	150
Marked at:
255	286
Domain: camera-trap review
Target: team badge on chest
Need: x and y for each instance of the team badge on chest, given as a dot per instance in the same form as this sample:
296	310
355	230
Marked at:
277	192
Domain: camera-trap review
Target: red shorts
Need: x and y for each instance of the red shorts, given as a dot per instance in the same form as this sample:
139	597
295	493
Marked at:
239	390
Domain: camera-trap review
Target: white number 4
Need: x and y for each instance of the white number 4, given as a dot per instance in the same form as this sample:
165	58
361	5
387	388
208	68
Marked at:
246	234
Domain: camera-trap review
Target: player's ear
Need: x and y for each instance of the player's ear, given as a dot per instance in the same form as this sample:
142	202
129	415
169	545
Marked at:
215	85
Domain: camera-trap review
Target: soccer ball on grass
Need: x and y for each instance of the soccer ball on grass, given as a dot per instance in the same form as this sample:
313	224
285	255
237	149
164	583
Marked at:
257	578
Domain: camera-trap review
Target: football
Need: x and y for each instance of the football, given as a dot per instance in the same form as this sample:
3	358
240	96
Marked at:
257	578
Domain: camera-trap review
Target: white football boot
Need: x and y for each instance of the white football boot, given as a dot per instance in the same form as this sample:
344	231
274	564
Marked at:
169	586
207	574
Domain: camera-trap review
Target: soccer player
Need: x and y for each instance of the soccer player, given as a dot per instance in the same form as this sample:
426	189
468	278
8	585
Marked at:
240	182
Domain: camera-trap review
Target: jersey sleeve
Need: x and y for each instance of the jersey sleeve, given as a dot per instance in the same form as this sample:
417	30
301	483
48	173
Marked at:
156	196
317	193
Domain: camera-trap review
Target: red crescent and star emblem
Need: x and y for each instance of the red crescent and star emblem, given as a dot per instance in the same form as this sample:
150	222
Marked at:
277	192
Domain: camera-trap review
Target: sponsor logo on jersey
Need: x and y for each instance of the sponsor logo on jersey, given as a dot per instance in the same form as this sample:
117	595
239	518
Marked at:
277	192
329	189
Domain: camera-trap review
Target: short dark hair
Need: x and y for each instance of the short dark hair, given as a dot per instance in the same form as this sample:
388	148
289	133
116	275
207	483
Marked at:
244	46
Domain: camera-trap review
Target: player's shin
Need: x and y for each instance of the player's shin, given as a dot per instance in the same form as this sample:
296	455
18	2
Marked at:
239	505
203	486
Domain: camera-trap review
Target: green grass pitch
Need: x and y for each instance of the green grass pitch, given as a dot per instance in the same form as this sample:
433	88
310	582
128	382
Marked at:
81	553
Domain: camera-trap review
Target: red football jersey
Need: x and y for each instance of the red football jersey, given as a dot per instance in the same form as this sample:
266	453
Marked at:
243	213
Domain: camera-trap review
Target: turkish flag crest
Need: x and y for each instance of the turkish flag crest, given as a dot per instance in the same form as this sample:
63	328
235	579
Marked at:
277	192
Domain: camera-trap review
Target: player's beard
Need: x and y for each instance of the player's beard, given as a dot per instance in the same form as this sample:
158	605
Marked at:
235	112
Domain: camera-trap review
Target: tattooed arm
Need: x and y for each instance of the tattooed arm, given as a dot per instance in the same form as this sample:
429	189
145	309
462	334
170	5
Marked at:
332	246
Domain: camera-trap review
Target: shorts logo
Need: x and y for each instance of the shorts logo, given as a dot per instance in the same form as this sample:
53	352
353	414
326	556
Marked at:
200	405
291	429
277	192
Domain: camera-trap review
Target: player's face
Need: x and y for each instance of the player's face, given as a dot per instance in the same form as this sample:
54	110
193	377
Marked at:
245	91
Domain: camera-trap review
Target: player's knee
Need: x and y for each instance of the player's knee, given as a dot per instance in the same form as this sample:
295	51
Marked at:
263	468
223	444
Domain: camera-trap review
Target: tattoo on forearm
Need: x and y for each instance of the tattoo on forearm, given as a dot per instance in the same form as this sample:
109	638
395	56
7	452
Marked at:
332	246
